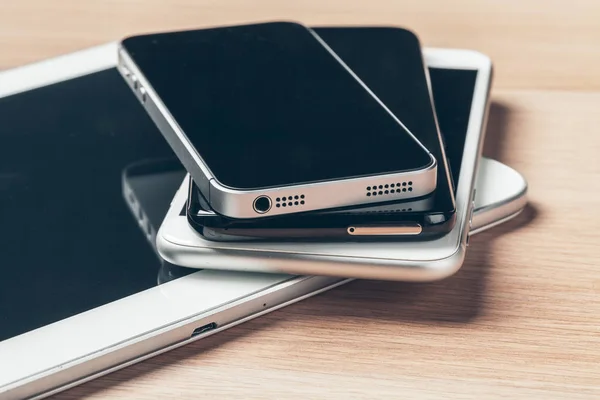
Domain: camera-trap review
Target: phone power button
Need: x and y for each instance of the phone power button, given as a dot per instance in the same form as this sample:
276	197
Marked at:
470	222
472	209
471	214
143	94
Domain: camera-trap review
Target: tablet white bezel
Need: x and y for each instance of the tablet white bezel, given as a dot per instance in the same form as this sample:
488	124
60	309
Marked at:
407	261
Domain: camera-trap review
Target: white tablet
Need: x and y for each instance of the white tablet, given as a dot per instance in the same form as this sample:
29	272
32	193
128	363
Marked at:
460	82
82	291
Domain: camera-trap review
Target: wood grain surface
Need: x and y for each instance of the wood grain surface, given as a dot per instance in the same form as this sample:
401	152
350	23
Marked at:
521	319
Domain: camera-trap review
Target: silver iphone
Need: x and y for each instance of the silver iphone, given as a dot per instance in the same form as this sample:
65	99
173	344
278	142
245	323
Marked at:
460	81
270	120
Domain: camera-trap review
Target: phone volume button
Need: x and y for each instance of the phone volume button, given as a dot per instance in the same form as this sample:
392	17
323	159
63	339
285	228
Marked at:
471	215
125	72
143	94
134	82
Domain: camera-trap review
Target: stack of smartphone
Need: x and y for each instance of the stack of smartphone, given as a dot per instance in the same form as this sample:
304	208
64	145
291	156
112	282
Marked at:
76	263
294	136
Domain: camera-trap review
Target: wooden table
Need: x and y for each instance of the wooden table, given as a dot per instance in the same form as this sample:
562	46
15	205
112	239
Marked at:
520	319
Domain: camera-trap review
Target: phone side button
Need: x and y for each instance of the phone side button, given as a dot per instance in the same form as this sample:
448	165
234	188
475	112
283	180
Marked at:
143	94
134	82
470	221
471	214
125	72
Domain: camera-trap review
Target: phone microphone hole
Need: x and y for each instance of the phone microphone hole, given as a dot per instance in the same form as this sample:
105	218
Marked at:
262	204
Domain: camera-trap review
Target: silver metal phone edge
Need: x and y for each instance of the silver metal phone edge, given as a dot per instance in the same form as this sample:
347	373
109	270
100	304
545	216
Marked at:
268	261
239	203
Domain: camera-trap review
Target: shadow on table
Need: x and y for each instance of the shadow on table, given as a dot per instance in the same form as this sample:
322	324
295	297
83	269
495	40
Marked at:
458	299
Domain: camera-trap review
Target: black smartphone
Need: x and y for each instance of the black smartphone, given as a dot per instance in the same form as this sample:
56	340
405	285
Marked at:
384	58
263	112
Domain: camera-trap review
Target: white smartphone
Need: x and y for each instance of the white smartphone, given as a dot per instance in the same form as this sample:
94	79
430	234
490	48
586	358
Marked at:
270	119
148	183
460	82
72	317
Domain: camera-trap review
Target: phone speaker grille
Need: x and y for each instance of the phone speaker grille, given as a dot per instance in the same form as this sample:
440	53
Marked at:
290	201
389	189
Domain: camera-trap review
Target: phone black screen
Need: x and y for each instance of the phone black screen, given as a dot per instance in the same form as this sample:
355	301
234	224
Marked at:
268	105
388	60
452	91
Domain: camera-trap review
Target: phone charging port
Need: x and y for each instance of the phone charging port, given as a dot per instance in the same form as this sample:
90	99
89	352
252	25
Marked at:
204	328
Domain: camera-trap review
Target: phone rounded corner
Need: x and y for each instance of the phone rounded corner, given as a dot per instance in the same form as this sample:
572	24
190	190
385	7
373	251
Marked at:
124	42
131	168
217	195
524	195
406	32
451	221
430	175
188	215
442	222
433	162
235	203
181	254
446	267
524	192
166	249
293	23
480	59
196	222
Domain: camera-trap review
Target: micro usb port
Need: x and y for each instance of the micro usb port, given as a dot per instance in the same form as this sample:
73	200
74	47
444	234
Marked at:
204	329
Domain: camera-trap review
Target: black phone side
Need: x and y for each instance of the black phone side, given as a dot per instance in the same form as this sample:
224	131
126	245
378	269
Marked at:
310	234
331	224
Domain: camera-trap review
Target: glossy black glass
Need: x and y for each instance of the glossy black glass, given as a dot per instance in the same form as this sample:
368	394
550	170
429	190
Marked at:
69	242
453	94
268	105
378	55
